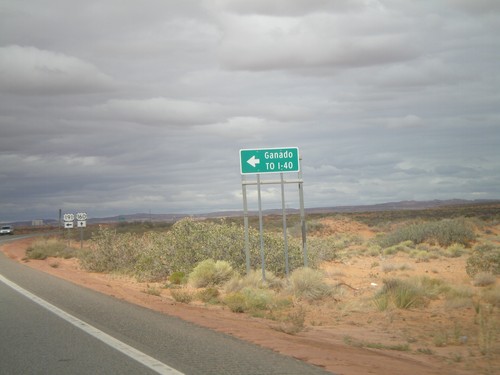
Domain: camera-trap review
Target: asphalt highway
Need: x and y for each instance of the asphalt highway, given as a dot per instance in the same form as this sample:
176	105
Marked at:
50	326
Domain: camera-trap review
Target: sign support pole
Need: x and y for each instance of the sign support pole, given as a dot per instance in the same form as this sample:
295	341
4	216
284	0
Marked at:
302	218
81	238
245	223
283	210
262	258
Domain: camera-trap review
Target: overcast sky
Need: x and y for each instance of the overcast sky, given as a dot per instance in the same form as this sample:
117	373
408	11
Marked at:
115	107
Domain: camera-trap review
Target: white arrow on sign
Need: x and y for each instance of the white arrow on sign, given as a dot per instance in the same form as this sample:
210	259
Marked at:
253	161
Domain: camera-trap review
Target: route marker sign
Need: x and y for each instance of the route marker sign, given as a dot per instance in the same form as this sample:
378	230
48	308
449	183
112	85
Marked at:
269	160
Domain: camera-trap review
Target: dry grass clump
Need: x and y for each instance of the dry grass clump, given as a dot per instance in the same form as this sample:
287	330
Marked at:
484	279
250	300
182	295
293	322
389	267
51	247
405	294
208	295
253	280
210	273
309	284
456	250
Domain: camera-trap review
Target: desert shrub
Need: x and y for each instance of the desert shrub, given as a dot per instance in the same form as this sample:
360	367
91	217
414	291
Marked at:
293	322
253	280
153	290
250	300
309	284
110	251
492	296
152	263
459	292
52	247
182	295
194	241
431	288
374	250
484	279
208	295
484	258
177	277
444	232
420	255
210	273
258	299
404	247
236	302
312	227
327	248
153	256
455	251
403	294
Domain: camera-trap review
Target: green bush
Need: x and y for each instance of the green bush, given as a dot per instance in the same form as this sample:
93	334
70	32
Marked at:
327	248
152	256
110	252
194	241
404	246
258	299
484	258
236	302
152	261
210	273
444	232
177	278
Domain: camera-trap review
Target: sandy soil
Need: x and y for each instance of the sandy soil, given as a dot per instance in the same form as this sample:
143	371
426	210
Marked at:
334	330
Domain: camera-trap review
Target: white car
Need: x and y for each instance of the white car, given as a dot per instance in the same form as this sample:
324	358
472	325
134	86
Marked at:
6	229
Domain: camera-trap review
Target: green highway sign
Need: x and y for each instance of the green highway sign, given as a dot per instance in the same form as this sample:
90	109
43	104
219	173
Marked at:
269	160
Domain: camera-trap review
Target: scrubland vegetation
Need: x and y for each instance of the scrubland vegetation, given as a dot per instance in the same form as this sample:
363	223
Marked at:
403	283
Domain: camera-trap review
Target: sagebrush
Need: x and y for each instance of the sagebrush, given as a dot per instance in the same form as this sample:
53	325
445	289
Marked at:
444	232
155	255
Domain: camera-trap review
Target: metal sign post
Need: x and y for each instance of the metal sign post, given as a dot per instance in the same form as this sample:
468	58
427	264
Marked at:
261	232
271	160
68	224
283	214
81	223
245	222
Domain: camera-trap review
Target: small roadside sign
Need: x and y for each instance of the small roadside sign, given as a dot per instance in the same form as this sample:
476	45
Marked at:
269	160
68	224
69	217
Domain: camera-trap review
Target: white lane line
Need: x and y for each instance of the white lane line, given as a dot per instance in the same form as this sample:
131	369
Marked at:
129	351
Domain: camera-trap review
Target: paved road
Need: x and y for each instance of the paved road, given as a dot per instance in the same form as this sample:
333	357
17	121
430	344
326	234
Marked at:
35	340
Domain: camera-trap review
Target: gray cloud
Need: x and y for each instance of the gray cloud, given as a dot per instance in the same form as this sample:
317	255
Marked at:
31	71
121	106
